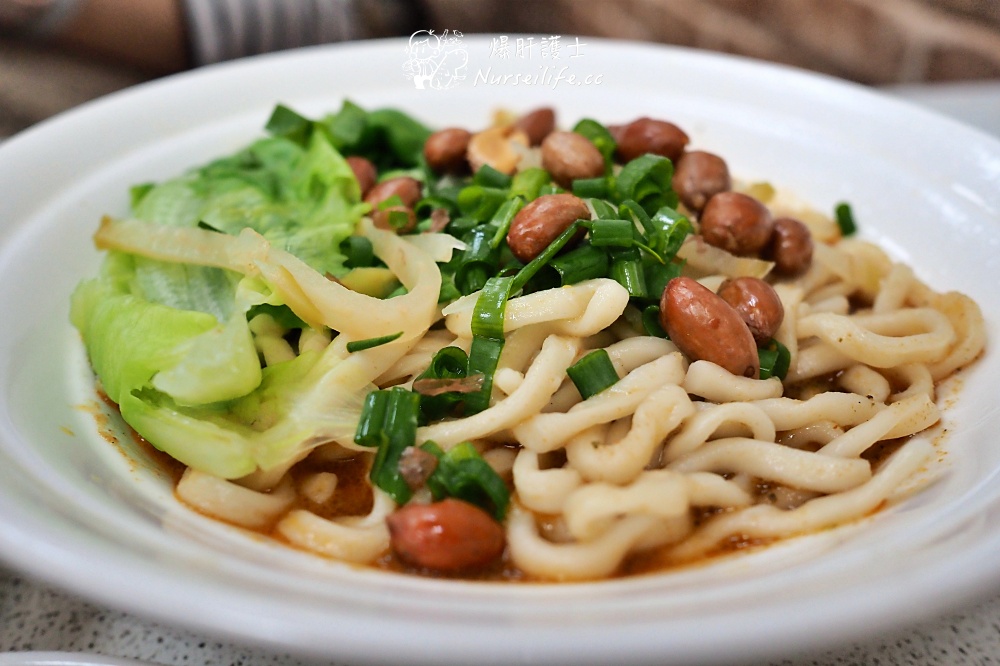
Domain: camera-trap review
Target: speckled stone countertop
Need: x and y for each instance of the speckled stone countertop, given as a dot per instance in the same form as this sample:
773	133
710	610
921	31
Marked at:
34	617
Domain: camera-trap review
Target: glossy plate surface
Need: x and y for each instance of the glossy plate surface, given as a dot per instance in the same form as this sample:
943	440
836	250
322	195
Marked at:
78	513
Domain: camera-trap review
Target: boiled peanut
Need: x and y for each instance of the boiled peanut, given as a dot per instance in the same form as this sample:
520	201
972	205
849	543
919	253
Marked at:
568	156
706	328
364	172
791	246
539	223
445	150
736	223
757	303
647	135
446	536
537	125
698	176
407	189
382	218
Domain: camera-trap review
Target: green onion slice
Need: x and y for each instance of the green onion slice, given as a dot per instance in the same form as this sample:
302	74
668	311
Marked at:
368	343
845	219
646	180
774	360
593	373
527	184
389	422
462	473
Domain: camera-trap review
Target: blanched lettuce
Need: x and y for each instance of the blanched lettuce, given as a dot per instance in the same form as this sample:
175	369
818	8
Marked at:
169	340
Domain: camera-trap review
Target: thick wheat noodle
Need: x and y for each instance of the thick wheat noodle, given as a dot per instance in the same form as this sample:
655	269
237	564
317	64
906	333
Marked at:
233	503
863	380
707	380
774	462
763	521
541	381
543	490
547	432
700	427
621	460
621	471
351	539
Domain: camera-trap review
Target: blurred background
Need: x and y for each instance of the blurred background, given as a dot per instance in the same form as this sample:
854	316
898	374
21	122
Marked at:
55	54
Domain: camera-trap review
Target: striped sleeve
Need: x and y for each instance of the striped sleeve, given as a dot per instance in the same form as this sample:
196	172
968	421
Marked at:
225	29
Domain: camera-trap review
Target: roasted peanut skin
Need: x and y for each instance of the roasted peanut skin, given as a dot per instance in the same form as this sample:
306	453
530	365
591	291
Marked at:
364	172
698	176
540	222
791	247
537	125
646	135
704	327
737	223
407	189
758	305
569	156
447	536
445	150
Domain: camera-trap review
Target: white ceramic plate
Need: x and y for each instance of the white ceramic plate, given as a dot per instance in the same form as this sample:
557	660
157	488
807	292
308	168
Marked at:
76	512
63	659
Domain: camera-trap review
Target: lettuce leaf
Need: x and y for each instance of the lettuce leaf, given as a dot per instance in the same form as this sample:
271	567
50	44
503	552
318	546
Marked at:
169	341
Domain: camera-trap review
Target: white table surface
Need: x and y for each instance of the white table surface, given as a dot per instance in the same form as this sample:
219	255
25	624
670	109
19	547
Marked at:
34	617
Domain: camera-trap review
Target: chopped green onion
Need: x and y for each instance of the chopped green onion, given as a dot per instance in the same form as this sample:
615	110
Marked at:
646	180
346	127
611	233
427	205
598	135
459	226
584	263
290	125
487	338
544	257
480	203
389	421
358	252
658	275
488	314
503	219
591	188
395	201
462	473
627	270
487	176
202	224
845	219
774	360
638	213
550	188
651	322
368	343
448	363
671	230
484	354
593	373
478	262
604	210
528	183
